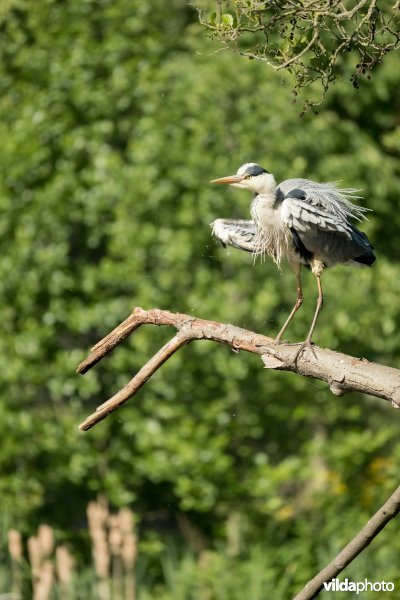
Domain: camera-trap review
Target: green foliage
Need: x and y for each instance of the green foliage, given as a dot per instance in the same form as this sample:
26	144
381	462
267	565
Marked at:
311	39
113	118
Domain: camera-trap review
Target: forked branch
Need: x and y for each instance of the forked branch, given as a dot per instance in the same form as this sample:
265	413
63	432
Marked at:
343	373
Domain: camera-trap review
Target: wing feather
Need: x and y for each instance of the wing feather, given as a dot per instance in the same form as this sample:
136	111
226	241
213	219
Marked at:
320	215
302	216
326	196
238	233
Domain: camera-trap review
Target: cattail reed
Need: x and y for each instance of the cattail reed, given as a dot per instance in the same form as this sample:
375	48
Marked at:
40	548
35	559
115	542
46	540
44	585
97	513
16	552
114	550
64	568
128	550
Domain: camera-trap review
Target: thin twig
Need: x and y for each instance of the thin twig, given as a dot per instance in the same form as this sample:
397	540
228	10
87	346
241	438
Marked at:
137	382
380	519
343	373
296	57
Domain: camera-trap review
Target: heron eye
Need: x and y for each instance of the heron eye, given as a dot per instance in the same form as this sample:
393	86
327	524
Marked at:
247	176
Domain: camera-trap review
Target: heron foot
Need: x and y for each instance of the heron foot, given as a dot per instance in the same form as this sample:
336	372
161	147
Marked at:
303	345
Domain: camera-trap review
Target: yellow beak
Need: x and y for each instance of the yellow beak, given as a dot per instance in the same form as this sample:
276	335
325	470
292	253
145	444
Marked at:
230	179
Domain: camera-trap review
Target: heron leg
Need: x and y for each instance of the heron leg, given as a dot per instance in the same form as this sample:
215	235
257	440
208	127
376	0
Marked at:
299	301
320	301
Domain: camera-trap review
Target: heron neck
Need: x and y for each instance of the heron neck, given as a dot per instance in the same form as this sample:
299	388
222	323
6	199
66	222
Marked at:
264	210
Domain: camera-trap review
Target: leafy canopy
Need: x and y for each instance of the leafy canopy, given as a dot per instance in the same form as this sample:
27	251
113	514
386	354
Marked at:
310	39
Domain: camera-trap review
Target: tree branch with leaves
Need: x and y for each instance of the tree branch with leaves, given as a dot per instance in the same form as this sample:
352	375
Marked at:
311	39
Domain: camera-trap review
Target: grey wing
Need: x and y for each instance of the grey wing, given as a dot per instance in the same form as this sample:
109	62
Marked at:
238	233
300	212
318	218
327	197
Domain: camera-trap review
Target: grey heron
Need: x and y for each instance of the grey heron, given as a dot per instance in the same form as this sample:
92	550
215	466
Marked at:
302	221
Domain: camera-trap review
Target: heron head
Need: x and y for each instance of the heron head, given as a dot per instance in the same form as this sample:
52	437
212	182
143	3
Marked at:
251	177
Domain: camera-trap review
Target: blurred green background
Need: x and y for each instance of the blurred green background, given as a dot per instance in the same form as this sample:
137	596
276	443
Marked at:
114	115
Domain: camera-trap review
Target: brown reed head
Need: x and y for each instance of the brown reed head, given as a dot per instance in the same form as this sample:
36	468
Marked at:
15	545
64	565
46	540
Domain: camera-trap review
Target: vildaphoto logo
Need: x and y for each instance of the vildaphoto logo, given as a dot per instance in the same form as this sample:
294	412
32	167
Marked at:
335	585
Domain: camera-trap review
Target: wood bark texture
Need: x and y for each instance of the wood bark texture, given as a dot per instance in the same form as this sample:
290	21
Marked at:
343	373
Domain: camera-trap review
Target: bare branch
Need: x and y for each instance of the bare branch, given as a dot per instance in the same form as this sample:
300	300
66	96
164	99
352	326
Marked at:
381	518
137	382
343	373
349	14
